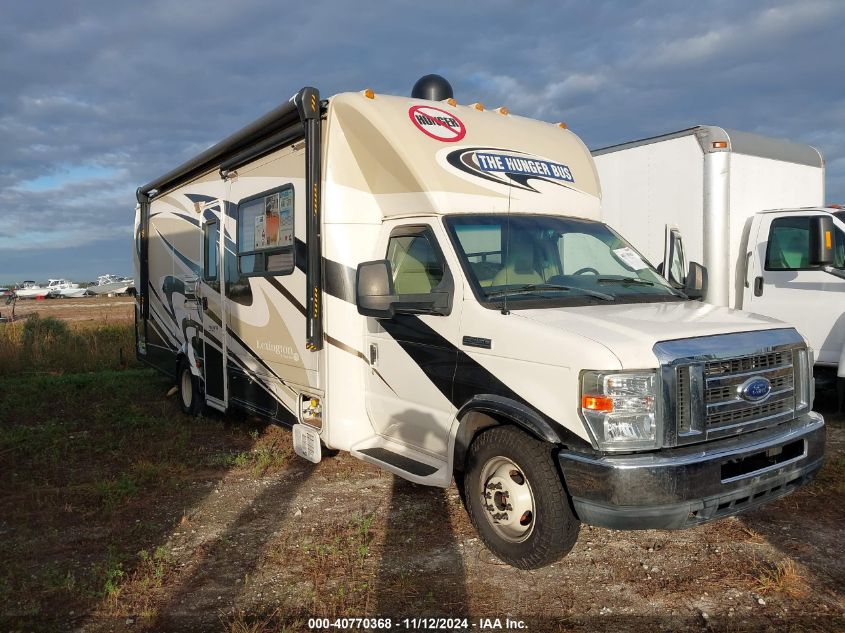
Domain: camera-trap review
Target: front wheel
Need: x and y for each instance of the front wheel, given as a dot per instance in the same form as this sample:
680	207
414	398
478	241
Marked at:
190	398
516	499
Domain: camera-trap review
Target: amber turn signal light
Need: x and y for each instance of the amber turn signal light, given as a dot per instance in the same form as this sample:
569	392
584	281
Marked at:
597	403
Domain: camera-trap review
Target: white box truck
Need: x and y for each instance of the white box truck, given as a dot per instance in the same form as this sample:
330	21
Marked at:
430	287
749	208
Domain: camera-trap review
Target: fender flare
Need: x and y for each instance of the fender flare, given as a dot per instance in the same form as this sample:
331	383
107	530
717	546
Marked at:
493	410
186	351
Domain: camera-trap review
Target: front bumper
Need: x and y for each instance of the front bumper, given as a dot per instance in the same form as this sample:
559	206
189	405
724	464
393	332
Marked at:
683	487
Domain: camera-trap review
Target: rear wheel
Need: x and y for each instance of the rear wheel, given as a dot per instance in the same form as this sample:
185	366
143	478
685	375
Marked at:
190	398
516	499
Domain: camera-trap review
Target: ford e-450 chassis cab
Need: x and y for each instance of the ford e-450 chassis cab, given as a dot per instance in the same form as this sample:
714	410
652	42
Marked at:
429	286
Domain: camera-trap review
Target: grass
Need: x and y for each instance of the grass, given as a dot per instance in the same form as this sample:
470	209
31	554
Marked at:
39	344
269	454
97	469
831	478
784	578
337	566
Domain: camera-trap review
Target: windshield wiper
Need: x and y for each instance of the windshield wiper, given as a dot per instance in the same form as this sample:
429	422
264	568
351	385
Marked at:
529	288
633	281
625	281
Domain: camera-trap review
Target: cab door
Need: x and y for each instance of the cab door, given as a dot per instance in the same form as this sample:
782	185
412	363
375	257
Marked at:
413	356
787	288
212	317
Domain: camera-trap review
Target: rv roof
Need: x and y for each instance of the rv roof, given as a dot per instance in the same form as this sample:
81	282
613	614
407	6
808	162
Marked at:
412	156
737	142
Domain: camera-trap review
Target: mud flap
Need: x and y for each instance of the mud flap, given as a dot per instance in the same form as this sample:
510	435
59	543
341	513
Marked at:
306	443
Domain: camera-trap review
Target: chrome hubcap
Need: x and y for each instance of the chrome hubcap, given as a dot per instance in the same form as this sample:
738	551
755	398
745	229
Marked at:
507	499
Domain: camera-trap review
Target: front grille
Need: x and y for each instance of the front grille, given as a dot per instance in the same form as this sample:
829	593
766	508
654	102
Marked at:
754	412
748	363
683	400
725	393
708	403
726	409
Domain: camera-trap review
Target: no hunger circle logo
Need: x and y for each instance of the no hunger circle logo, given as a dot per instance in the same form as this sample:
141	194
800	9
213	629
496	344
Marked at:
438	124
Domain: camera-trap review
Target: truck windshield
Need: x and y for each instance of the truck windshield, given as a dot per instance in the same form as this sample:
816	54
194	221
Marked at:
540	260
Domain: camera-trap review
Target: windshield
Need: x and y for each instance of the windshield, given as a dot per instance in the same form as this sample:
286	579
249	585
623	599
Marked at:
537	260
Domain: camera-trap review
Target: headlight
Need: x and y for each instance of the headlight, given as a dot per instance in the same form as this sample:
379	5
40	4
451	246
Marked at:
802	361
619	409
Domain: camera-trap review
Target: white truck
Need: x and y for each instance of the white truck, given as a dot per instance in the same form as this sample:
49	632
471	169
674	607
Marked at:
749	207
430	287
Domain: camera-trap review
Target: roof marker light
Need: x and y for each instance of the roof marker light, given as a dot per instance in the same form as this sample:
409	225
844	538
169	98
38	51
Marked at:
369	93
503	111
563	126
478	106
720	144
451	102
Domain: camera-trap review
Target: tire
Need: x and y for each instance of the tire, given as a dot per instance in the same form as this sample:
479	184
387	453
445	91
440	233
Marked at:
190	396
519	474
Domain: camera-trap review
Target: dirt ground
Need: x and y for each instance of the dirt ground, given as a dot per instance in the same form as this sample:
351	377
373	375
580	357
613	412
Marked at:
345	539
78	311
119	513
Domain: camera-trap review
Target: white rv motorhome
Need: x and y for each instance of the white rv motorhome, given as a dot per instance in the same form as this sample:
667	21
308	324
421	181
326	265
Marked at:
749	207
430	287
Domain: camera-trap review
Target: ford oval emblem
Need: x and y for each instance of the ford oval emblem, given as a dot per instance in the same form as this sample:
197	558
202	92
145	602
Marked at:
755	389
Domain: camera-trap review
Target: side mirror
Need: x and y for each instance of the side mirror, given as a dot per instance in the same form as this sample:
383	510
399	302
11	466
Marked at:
695	285
376	295
374	292
821	240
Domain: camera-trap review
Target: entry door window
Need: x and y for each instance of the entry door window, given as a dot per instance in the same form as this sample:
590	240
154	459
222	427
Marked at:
211	243
416	263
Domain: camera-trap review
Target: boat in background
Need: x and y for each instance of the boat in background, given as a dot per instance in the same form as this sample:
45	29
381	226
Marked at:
64	289
112	284
31	290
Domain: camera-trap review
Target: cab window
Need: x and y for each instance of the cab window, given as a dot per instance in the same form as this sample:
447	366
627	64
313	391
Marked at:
789	245
416	262
676	259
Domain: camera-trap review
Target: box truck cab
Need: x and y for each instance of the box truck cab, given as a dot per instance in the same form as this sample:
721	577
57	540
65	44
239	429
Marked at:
430	287
751	208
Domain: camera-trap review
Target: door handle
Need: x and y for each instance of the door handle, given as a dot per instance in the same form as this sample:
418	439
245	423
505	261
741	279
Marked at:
747	262
758	286
373	354
204	303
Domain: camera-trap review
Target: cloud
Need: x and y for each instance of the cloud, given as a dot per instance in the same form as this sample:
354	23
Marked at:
99	98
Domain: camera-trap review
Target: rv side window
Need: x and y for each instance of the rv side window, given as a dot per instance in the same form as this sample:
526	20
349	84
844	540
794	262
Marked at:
265	233
210	242
417	264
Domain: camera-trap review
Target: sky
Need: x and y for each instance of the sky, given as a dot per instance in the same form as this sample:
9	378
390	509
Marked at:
100	97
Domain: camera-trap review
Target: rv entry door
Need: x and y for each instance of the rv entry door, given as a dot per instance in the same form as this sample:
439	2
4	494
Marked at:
211	310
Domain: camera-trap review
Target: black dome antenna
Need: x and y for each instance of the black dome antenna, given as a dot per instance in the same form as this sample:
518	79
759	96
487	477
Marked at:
433	88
